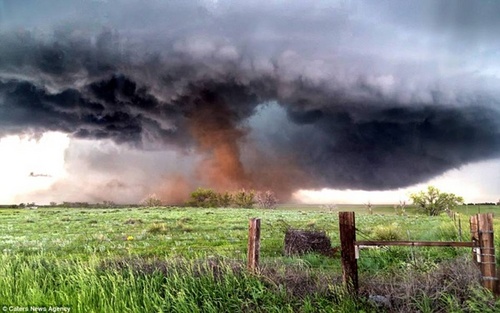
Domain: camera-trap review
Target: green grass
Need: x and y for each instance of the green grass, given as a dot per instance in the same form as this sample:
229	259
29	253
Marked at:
54	256
186	232
133	286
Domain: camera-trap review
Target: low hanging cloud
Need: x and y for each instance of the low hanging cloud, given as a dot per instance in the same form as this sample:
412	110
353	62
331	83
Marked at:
353	96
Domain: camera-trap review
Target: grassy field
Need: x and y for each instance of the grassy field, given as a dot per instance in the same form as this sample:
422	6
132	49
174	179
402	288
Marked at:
190	259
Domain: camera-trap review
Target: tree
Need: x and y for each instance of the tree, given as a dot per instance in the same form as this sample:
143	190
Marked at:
110	204
151	201
266	200
244	198
433	201
204	198
369	207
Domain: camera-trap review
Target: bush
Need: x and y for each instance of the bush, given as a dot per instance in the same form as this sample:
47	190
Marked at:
400	208
151	201
387	233
244	198
224	200
266	200
158	228
204	198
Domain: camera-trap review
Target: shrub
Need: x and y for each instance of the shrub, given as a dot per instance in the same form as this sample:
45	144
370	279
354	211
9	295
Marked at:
369	207
204	198
158	228
329	207
266	200
151	201
387	233
224	200
244	198
112	204
400	208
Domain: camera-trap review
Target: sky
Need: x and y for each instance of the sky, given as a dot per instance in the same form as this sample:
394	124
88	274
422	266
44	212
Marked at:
323	102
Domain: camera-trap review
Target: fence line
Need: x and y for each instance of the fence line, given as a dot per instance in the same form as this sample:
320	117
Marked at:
481	226
481	242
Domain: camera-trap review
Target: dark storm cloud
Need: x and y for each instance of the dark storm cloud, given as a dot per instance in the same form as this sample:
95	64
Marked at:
362	112
28	108
394	147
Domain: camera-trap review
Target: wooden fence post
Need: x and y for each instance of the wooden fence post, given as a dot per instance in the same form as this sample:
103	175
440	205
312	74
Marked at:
347	229
253	244
474	232
487	251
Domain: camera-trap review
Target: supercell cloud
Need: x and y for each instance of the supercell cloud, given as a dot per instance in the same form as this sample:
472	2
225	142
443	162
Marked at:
262	94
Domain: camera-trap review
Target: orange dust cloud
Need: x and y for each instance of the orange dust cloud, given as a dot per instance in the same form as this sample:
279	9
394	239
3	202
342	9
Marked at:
213	129
175	190
279	174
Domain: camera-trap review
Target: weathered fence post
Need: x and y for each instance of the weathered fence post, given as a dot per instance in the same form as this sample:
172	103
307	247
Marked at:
347	229
474	232
487	251
253	244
